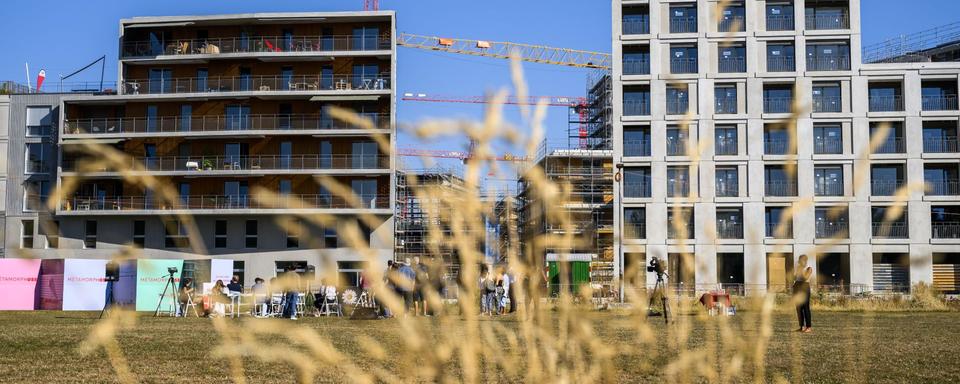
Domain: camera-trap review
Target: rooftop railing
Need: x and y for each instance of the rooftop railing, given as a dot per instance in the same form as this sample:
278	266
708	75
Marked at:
943	144
243	163
908	48
222	202
258	44
213	123
294	83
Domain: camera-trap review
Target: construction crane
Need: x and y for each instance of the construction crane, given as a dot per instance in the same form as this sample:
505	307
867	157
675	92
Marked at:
502	50
459	155
371	5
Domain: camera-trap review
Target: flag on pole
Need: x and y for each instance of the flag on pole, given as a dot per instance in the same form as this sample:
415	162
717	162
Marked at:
40	77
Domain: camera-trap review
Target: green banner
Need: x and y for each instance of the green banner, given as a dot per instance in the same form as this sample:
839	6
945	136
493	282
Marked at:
152	276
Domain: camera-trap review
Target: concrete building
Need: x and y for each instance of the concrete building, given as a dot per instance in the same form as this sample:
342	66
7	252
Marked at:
704	108
219	107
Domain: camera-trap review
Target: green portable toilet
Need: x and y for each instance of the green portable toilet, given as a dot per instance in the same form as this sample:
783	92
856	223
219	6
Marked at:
579	270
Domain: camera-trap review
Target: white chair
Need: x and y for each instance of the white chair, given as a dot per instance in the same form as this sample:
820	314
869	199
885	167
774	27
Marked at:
331	302
193	166
276	305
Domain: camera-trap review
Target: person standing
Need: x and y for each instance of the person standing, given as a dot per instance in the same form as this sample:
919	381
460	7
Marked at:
406	284
421	284
291	283
801	294
505	295
511	293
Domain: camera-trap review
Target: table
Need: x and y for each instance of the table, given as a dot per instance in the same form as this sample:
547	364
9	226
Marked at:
715	300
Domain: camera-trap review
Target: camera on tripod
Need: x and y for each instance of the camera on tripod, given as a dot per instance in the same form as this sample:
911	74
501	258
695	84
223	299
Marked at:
172	270
656	266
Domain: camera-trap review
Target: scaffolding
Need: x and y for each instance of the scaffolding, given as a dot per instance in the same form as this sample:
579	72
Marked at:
936	44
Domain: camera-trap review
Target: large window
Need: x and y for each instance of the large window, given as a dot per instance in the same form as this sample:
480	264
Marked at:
726	99
90	234
636	141
683	19
139	233
636	101
728	181
827	97
175	235
777	98
38	158
732	18
636	60
678	181
366	38
636	182
636	21
777	224
678	99
732	59
827	139
39	121
828	180
220	234
677	141
780	57
780	16
725	141
634	223
366	191
831	222
828	57
251	236
365	155
683	59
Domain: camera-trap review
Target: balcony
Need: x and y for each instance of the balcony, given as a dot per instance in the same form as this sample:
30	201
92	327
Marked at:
827	145
828	229
885	187
214	123
676	147
636	148
683	65
683	24
246	164
678	106
779	188
678	188
777	104
774	231
828	189
945	229
732	24
725	106
636	190
674	233
219	84
82	204
891	230
943	144
886	103
634	231
259	44
939	103
636	27
776	147
827	104
780	22
728	189
781	64
729	230
636	67
891	145
828	63
725	147
828	21
636	108
943	188
732	65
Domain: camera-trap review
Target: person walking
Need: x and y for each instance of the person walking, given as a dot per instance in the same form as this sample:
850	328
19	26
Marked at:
801	294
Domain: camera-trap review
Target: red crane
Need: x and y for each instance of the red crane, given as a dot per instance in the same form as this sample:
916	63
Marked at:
371	5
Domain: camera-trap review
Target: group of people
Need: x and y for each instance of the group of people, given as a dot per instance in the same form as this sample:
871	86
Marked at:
496	294
222	295
412	281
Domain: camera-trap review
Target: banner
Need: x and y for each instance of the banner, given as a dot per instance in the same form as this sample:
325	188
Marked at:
125	290
221	270
152	277
84	287
50	285
18	283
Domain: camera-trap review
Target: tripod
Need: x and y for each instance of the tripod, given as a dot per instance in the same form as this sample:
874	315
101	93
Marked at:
172	286
658	290
108	300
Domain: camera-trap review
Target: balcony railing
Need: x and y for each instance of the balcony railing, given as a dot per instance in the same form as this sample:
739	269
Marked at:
224	202
825	104
781	64
778	188
827	146
946	144
943	188
246	163
636	190
678	107
678	65
885	187
732	24
886	103
777	104
673	233
828	189
634	231
676	147
219	84
776	147
828	63
725	105
892	144
831	229
636	67
939	103
780	23
728	189
678	188
259	44
636	108
636	27
891	230
732	65
820	22
773	231
728	230
636	148
725	147
683	24
945	229
215	123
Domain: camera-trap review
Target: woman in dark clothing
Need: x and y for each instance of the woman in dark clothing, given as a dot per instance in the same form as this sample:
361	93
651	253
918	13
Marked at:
801	294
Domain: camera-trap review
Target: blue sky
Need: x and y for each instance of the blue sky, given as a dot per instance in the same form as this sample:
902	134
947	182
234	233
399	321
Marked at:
61	36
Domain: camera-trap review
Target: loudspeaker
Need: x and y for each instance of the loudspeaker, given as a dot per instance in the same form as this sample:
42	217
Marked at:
364	313
112	272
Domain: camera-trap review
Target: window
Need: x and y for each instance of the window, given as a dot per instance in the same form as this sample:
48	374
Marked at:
293	234
245	80
636	141
678	181
366	191
828	57
732	18
634	223
364	155
636	182
827	139
175	235
725	97
828	181
636	21
779	17
678	100
35	194
139	233
330	238
38	158
365	75
941	179
286	78
730	223
894	227
160	80
779	182
285	187
680	223
940	136
26	234
326	155
831	222
186	117
683	19
90	234
885	97
774	228
893	142
202	74
220	234
886	179
776	140
39	121
728	181
366	39
780	57
732	59
237	117
636	60
938	95
828	16
284	116
636	101
250	236
725	141
827	97
51	229
777	98
683	59
677	141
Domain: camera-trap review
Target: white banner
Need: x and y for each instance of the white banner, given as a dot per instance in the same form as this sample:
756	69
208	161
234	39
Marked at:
84	287
221	270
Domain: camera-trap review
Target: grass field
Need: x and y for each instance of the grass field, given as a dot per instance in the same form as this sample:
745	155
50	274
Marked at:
845	347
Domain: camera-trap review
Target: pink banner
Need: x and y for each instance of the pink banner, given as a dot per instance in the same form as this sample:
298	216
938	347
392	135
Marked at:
18	282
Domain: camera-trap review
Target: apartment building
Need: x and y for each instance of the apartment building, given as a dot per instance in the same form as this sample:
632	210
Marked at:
706	94
219	108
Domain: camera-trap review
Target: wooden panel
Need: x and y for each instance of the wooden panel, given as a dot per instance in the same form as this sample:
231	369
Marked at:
777	273
890	277
946	277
